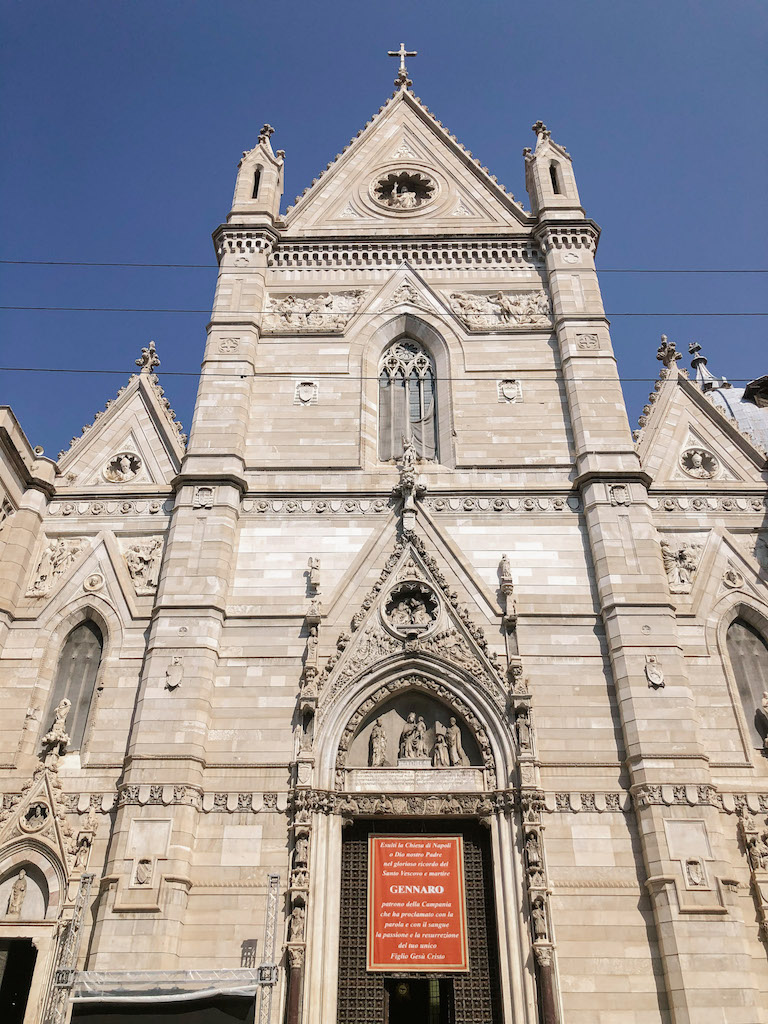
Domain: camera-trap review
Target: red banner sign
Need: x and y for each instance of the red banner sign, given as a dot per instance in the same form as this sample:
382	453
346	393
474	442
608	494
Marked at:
417	915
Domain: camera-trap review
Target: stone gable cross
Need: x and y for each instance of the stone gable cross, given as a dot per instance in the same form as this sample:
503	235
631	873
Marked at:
402	53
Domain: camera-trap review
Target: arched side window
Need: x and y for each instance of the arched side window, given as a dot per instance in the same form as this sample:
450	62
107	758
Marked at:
748	652
76	678
256	182
554	174
407	401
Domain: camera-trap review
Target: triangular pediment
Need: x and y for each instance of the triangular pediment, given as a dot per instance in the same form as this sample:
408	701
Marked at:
134	444
686	440
39	816
411	612
724	567
442	187
404	292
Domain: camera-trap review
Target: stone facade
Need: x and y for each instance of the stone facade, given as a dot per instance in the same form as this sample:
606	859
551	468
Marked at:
275	602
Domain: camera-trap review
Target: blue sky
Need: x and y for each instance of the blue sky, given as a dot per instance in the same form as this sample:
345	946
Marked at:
122	124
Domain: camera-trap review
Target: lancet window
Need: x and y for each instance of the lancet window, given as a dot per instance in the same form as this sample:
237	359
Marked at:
76	678
748	652
407	401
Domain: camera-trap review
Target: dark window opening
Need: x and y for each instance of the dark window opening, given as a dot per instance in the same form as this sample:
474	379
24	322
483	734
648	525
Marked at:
553	169
748	652
256	183
17	964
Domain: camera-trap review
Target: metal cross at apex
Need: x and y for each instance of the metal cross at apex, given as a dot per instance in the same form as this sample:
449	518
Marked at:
402	75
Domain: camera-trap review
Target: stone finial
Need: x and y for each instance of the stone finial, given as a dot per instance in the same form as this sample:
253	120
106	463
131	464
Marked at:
541	130
667	353
694	348
267	131
149	359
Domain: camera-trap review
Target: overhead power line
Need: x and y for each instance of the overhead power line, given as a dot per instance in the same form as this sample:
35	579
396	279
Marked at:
215	266
293	375
250	312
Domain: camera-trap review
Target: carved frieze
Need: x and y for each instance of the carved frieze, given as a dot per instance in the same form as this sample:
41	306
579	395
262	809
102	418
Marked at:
316	506
324	313
141	506
493	311
709	503
499	503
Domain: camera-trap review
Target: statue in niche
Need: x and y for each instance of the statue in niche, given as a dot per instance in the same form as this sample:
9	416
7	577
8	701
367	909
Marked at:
55	742
409	738
539	916
455	749
523	728
762	717
441	758
378	744
301	852
532	851
296	928
16	898
83	852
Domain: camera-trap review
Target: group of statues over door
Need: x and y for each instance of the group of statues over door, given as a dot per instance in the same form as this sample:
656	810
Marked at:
413	746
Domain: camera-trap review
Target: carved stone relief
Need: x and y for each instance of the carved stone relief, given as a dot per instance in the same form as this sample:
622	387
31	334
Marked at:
411	609
680	564
588	342
143	562
122	468
318	314
509	391
305	392
700	463
494	311
57	557
403	190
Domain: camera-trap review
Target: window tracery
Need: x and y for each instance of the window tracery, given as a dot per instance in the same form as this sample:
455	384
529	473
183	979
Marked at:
407	402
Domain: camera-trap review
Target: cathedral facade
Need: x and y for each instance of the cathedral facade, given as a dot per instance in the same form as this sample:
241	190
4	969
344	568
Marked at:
413	686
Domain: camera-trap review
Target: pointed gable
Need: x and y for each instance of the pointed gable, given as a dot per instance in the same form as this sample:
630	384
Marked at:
687	440
404	172
135	442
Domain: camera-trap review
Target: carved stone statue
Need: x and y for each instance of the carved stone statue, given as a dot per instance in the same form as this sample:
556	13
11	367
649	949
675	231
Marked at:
298	918
174	673
409	738
143	562
532	850
455	749
313	566
539	916
301	851
378	752
83	852
55	742
762	717
16	898
758	852
523	728
440	755
421	738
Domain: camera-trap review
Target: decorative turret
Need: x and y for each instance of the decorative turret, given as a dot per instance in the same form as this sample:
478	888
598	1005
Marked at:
259	185
549	178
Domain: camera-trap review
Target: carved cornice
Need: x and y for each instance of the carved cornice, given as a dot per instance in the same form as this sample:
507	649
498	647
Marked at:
583	235
230	240
155	507
355	253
